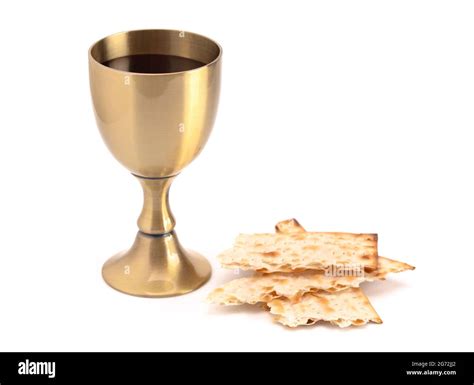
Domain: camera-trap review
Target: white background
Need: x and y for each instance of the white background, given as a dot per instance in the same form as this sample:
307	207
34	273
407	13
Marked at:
347	115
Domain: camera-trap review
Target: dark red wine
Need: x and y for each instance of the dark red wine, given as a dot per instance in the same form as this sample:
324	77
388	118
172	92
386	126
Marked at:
153	63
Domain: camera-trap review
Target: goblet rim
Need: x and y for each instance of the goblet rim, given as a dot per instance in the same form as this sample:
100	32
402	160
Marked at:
212	62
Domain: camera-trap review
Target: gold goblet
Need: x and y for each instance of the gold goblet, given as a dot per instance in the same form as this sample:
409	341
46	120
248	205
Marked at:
155	95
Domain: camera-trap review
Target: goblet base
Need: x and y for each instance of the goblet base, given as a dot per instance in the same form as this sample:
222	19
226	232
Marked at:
156	266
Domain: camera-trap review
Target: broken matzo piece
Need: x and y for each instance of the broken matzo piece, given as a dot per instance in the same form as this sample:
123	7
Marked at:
265	287
344	308
299	251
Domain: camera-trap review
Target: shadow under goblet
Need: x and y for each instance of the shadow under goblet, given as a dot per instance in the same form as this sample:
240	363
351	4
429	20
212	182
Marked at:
155	95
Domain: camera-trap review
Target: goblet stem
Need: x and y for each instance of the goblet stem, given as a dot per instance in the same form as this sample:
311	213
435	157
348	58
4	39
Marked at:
156	265
156	217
